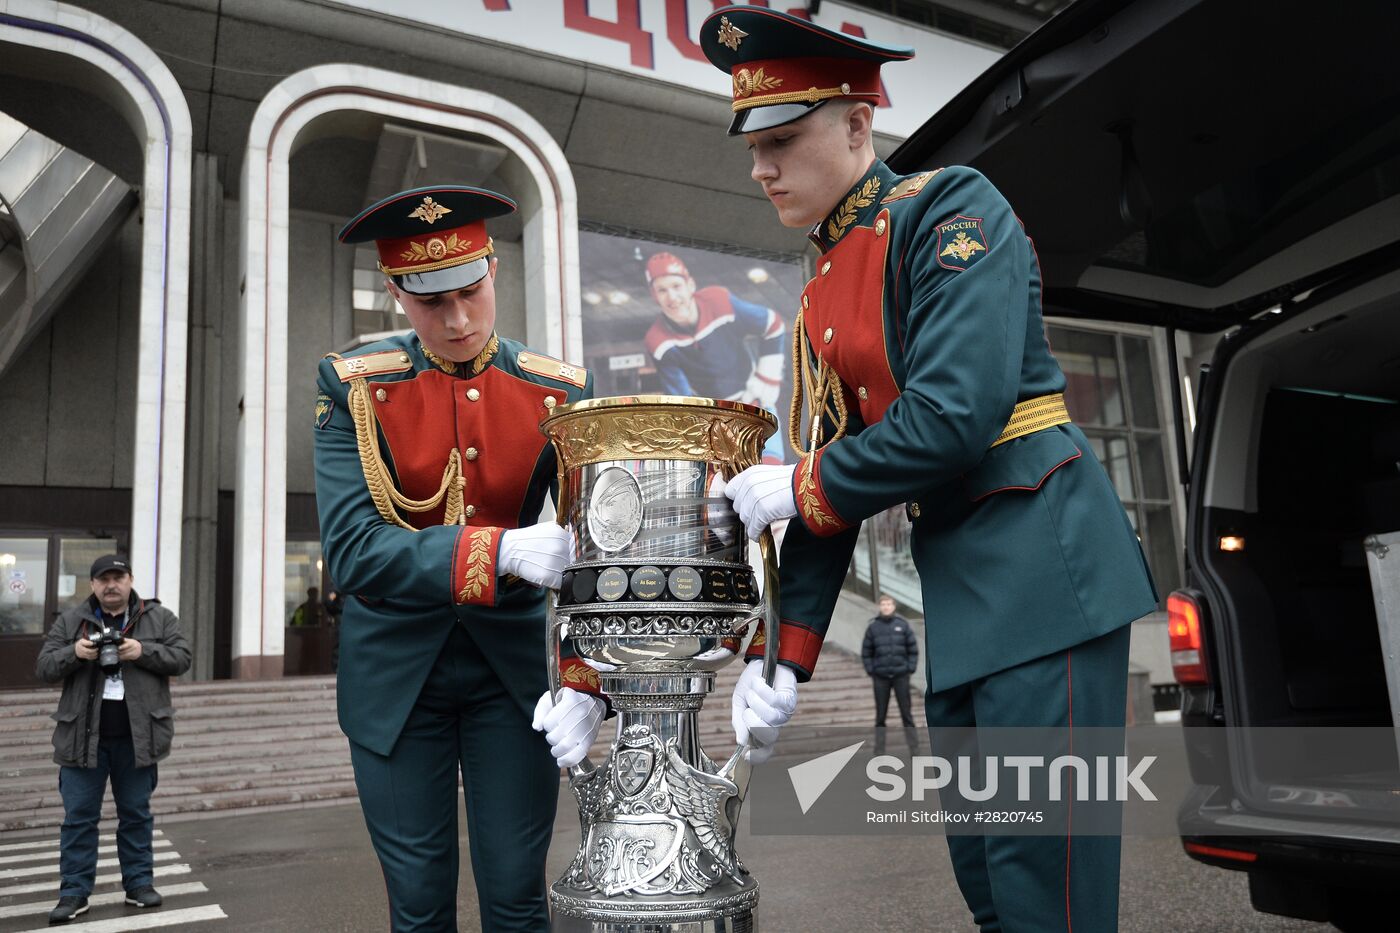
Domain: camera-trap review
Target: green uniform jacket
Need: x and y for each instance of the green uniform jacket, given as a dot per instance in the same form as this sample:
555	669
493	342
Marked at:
407	587
926	304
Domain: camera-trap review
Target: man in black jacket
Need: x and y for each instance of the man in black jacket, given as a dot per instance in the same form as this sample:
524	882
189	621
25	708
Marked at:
114	720
890	653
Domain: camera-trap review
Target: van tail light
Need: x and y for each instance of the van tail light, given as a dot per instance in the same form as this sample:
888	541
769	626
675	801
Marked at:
1187	641
1234	855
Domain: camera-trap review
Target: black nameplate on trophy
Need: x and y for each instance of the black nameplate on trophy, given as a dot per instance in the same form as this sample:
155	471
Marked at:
648	583
651	583
585	585
612	584
685	583
717	585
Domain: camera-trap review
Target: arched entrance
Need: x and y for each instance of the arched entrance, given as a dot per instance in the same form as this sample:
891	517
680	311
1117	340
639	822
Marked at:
287	119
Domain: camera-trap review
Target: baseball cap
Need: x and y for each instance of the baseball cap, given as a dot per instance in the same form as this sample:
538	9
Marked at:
109	562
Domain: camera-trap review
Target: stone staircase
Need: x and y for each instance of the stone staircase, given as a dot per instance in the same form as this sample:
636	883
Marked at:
257	745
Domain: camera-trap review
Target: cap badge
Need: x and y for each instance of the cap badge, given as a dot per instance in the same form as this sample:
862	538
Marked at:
436	248
430	211
729	34
746	84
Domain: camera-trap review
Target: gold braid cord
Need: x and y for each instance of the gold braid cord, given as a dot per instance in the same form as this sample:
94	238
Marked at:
821	388
386	496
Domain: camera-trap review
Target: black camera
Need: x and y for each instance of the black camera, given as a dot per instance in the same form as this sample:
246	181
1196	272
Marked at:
108	643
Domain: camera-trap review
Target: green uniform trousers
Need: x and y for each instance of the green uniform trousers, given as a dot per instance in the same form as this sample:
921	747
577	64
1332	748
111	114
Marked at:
464	717
1042	883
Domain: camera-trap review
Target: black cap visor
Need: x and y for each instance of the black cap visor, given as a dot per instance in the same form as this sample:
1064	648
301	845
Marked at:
443	280
765	118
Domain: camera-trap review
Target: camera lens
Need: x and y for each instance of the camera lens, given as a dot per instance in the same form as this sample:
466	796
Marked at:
108	659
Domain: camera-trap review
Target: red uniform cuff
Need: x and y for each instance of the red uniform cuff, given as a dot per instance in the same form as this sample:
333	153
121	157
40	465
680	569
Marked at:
577	675
474	565
798	647
813	507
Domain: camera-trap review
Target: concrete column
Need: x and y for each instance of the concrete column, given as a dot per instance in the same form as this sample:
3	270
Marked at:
206	353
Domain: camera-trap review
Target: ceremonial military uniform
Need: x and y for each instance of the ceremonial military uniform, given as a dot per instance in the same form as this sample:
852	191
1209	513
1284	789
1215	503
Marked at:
421	466
928	383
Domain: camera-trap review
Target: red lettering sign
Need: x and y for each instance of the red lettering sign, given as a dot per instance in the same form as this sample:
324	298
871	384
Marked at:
627	29
678	28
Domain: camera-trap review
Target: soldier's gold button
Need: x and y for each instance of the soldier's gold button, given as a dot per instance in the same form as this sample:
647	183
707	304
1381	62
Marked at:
469	511
845	88
826	337
805	302
862	393
472	453
403	357
523	359
914	509
880	227
549	401
826	267
380	394
473	395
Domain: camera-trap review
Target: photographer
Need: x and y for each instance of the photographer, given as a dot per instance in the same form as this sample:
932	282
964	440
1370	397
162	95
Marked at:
115	654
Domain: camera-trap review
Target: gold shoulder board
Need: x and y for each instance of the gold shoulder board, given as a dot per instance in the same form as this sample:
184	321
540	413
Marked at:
910	186
550	368
373	364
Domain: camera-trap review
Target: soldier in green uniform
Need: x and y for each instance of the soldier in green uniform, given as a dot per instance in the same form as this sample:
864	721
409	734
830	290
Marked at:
927	382
430	474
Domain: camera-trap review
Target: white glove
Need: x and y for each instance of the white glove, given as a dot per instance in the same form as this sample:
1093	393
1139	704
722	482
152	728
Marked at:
762	495
537	554
758	711
570	725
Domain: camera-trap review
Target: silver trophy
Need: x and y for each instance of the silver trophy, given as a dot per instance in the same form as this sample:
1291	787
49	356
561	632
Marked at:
658	598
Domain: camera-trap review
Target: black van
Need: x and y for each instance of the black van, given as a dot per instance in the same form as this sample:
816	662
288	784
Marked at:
1229	168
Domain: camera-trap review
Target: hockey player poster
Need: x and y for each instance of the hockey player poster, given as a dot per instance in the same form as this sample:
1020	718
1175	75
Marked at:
682	320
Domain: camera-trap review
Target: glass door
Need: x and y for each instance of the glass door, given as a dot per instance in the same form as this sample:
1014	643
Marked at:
40	576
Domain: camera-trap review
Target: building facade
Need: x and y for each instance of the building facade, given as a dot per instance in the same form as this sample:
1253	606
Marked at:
172	176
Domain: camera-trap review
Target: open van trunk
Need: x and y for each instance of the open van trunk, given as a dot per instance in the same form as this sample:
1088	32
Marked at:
1179	163
1304	467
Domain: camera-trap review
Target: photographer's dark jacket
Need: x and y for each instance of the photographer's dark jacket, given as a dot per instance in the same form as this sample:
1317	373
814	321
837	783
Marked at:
890	648
164	654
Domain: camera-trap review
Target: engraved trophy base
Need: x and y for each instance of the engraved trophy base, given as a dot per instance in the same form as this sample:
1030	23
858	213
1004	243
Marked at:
727	908
658	818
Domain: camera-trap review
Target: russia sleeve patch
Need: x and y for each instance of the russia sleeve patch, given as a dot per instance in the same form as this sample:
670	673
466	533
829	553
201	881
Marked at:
324	407
961	242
